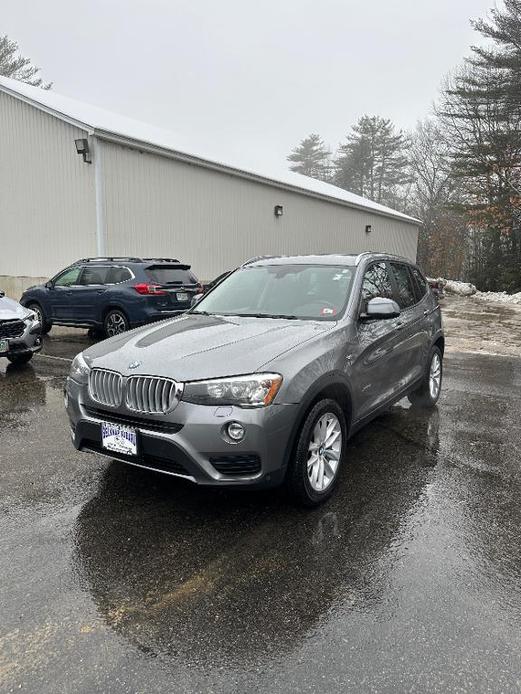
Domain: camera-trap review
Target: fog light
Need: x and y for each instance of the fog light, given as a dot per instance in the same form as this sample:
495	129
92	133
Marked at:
235	431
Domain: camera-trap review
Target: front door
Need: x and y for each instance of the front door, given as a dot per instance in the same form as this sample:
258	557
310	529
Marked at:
376	374
60	295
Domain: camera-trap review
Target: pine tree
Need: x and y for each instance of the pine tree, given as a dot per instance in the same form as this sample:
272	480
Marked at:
16	66
480	114
373	160
311	158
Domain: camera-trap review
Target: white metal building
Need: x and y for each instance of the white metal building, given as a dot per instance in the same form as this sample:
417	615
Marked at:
146	192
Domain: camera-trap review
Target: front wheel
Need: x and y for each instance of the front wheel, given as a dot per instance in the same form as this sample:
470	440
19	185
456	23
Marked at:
45	324
320	451
115	323
20	359
429	391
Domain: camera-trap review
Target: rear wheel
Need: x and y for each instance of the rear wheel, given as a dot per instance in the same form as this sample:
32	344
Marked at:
115	323
429	391
46	324
20	359
319	454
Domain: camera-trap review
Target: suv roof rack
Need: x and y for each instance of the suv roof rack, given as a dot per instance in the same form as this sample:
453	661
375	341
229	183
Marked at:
126	259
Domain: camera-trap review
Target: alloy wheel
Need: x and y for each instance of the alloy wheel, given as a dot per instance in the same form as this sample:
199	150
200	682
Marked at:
115	324
324	452
435	376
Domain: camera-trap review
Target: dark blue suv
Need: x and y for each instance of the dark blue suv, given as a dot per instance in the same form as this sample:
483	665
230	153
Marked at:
113	294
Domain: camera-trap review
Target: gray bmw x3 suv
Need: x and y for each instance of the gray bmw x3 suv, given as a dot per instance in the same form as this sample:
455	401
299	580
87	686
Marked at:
265	379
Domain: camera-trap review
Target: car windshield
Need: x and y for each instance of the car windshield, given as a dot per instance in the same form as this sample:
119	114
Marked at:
315	292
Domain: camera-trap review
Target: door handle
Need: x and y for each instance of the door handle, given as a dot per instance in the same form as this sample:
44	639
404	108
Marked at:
398	326
100	291
426	313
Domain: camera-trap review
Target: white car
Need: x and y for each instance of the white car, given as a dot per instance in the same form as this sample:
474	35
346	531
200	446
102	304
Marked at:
20	331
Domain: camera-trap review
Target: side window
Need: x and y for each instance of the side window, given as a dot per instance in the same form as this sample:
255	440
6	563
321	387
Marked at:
93	275
405	285
68	278
116	275
376	283
421	283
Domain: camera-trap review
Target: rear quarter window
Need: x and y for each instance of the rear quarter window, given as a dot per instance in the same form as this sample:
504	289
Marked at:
116	275
164	274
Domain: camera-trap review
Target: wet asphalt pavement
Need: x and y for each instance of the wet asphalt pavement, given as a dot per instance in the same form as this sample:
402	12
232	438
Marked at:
117	580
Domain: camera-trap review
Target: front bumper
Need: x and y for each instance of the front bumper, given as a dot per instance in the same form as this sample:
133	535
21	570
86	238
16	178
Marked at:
189	442
29	341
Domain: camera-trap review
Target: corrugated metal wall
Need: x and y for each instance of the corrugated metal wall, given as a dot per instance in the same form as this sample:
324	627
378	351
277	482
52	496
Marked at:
47	204
158	206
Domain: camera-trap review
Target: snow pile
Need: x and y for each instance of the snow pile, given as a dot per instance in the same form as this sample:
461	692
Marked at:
460	288
454	287
501	297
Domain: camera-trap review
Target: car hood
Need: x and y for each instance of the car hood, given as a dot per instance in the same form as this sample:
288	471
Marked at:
10	309
196	346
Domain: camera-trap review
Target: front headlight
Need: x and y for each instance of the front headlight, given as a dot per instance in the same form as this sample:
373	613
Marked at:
79	369
256	390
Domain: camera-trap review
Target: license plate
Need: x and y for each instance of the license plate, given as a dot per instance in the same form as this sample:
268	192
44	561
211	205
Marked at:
119	439
182	296
4	346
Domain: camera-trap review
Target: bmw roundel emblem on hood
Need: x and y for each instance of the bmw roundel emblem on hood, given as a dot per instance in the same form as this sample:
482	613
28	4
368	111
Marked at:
134	364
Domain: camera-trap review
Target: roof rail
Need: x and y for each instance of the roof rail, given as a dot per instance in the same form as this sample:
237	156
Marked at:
378	254
128	259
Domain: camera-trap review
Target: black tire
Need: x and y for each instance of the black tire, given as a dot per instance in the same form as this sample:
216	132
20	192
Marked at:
46	324
298	483
20	359
95	333
424	396
115	323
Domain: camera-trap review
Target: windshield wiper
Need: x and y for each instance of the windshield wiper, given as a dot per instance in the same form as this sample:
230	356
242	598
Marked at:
267	315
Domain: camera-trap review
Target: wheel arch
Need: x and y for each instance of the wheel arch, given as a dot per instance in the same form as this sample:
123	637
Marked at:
335	386
440	343
113	306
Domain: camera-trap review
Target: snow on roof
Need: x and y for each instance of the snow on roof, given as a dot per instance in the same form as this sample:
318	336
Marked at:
105	124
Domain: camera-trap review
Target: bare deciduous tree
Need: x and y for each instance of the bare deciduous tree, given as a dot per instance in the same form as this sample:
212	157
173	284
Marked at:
16	66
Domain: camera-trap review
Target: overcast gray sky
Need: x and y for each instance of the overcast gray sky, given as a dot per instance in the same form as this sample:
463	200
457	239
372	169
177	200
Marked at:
248	78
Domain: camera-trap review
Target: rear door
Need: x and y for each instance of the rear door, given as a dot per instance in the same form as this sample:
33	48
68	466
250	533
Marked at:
375	372
412	324
88	296
177	283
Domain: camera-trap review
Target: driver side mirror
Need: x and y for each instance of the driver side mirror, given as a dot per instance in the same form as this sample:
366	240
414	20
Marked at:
382	308
49	284
2	293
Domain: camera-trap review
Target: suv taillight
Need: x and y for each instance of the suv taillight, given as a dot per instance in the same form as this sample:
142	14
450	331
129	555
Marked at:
149	289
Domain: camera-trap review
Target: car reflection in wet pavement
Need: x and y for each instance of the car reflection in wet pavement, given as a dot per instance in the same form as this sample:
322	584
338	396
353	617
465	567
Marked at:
120	580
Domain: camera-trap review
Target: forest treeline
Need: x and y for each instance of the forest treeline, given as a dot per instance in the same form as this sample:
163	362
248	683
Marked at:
459	171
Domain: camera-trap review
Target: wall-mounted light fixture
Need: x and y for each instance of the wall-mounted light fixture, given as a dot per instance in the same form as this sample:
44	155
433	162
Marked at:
368	228
82	147
278	210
